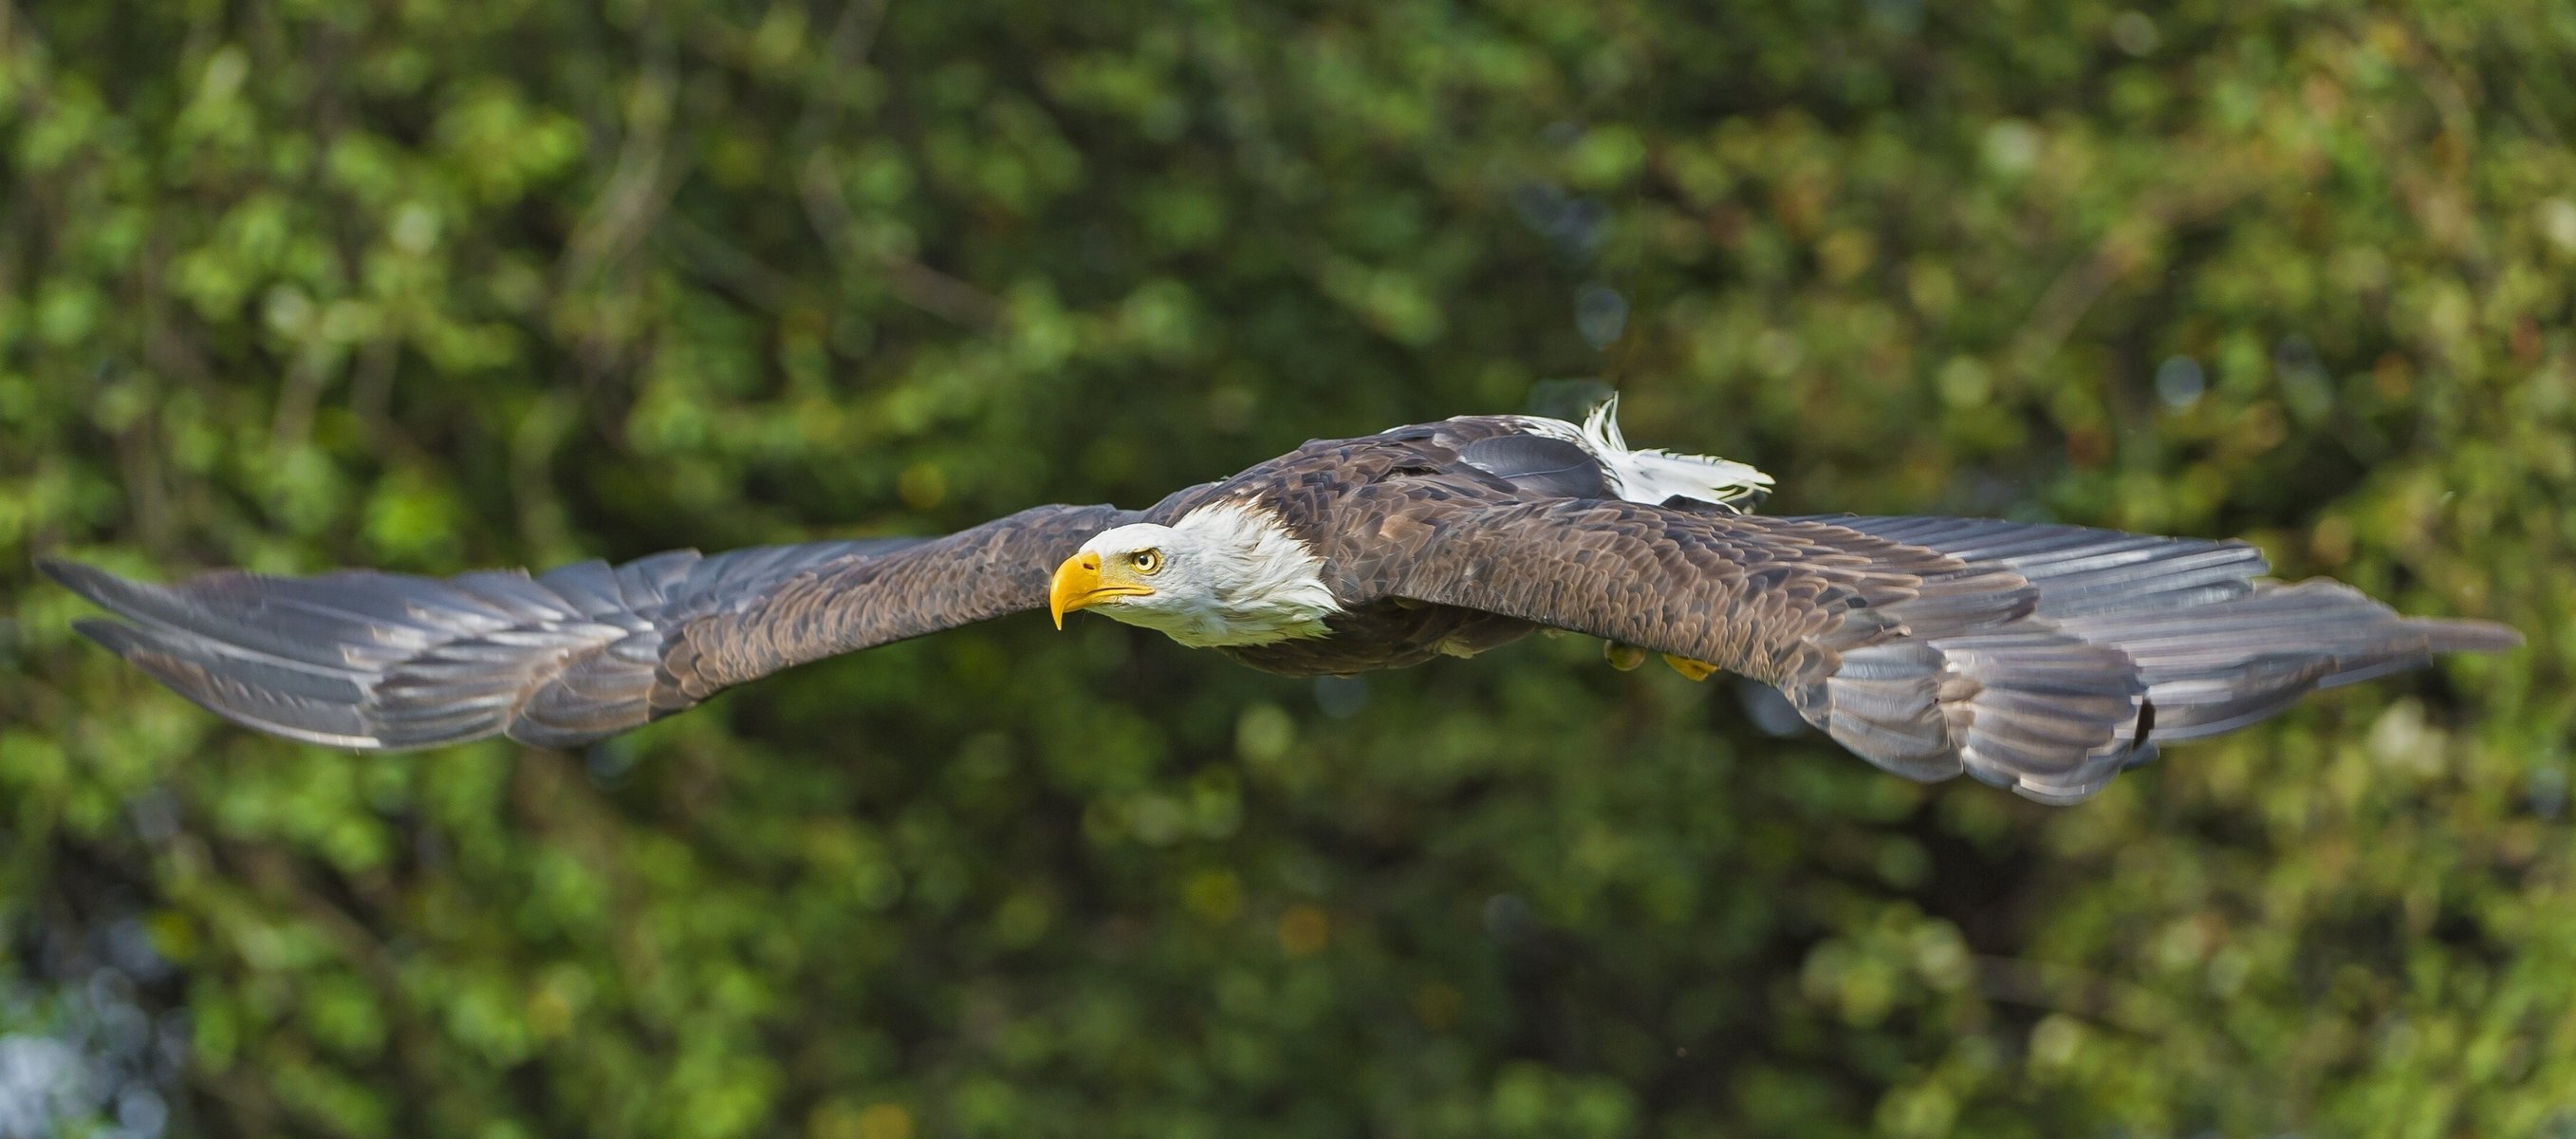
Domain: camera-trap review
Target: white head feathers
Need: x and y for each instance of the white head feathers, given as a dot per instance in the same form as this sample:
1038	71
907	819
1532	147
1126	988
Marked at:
1228	573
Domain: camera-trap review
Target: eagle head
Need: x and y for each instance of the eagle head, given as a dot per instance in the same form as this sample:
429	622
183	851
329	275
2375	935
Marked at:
1226	574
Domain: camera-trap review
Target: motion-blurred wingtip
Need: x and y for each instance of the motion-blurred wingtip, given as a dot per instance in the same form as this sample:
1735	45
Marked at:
69	574
113	635
115	594
2466	636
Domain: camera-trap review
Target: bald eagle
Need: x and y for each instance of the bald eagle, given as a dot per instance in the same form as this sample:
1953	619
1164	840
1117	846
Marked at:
2042	658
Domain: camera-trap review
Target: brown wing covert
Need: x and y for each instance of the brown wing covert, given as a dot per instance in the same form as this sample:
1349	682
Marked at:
369	660
2041	658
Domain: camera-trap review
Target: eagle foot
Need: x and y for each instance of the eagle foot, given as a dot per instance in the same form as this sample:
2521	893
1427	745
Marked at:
1623	657
1694	669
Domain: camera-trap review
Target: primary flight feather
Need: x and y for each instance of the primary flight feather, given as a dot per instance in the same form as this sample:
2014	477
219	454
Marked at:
2040	658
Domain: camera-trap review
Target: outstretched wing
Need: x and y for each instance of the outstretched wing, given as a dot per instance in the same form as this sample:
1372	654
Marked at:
2042	658
370	660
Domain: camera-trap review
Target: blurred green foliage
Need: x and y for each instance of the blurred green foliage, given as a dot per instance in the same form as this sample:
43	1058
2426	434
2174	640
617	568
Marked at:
436	285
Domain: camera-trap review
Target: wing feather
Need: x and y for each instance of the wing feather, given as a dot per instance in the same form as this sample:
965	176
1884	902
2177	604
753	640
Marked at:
2041	658
370	660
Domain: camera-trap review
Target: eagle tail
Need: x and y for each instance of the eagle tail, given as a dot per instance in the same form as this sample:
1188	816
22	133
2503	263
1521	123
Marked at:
1653	475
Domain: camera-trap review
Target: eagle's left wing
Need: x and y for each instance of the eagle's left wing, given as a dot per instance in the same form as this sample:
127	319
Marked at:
2042	658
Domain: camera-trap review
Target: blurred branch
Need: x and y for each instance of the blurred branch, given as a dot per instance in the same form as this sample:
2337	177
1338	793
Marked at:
729	264
2070	295
818	184
371	390
853	33
302	392
544	522
641	184
2075	289
2061	989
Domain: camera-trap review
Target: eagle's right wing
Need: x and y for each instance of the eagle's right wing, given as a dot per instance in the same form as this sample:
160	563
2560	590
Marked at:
2042	658
368	660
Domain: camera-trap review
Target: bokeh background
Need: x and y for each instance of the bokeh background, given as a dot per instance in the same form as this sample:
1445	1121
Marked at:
438	285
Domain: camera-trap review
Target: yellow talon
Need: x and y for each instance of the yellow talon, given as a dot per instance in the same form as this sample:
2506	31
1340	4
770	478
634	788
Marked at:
1694	669
1623	657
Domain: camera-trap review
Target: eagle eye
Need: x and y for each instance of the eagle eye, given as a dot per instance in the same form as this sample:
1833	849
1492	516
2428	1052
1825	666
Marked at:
1146	561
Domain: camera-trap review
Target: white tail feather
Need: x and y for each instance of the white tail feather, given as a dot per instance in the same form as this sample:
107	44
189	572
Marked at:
1654	474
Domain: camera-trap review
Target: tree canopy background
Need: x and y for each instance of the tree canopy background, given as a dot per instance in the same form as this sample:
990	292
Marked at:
438	285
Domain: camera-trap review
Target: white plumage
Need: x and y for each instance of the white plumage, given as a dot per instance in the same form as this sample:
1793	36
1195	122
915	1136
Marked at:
1652	475
1231	574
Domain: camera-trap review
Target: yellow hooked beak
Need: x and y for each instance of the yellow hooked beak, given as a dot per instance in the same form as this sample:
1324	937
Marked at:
1078	585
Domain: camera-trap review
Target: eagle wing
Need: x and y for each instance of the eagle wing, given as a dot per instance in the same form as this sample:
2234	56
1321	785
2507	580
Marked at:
369	660
2037	657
